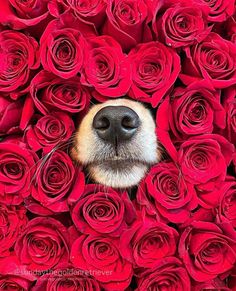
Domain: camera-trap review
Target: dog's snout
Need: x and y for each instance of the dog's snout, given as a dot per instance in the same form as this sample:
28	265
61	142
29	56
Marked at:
116	122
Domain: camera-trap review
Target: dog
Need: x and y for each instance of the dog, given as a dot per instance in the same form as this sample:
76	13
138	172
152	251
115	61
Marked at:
116	143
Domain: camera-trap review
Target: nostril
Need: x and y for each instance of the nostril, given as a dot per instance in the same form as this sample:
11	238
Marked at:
101	123
130	122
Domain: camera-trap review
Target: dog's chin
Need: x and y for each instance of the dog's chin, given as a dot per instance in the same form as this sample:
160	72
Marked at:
118	173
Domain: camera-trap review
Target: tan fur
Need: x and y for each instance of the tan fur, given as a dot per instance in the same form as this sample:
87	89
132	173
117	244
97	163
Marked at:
141	151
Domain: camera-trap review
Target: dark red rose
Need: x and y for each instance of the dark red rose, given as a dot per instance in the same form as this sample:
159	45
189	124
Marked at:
103	210
182	24
17	165
213	59
14	275
20	14
148	241
196	110
230	29
106	68
62	49
220	10
101	256
51	93
155	68
165	191
215	284
205	158
207	250
52	183
168	274
43	244
12	221
67	278
49	131
19	55
126	22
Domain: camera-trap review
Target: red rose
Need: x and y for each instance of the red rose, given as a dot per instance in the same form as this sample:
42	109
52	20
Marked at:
168	274
68	278
205	158
155	68
102	210
194	110
165	191
17	165
43	244
106	68
52	183
215	284
12	221
19	55
101	256
182	24
126	22
207	250
14	275
220	10
62	49
21	14
51	93
213	59
49	131
148	241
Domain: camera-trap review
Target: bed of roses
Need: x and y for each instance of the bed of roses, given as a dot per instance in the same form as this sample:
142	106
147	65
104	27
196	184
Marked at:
58	231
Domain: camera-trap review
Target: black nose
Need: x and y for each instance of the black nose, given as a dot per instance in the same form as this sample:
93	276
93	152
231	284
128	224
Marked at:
116	123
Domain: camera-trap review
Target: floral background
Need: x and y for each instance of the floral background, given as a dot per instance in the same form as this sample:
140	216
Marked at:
58	231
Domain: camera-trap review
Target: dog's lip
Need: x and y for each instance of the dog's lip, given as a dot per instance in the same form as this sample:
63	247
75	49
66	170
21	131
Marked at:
118	162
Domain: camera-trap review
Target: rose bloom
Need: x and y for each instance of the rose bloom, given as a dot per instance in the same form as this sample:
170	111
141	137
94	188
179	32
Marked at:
207	250
49	131
103	210
127	22
213	59
14	275
62	49
182	24
168	274
17	165
155	68
165	191
53	181
205	158
101	256
21	14
42	244
51	93
12	221
19	55
148	241
195	110
106	68
220	10
215	284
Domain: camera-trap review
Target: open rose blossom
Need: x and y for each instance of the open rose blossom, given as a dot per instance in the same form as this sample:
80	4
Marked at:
155	68
42	244
168	274
102	210
18	55
51	93
101	256
215	284
207	250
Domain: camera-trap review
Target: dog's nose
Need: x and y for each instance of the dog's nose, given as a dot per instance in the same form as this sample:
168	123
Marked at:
116	123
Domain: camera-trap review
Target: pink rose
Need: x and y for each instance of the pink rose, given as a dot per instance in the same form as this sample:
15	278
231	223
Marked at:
102	210
43	244
207	250
49	131
127	22
155	68
51	93
101	256
213	59
106	68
